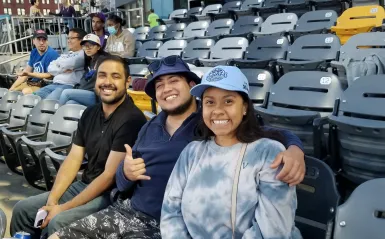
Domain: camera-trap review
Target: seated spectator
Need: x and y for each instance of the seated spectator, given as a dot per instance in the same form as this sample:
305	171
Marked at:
120	42
98	21
84	94
103	131
148	165
201	184
37	70
68	69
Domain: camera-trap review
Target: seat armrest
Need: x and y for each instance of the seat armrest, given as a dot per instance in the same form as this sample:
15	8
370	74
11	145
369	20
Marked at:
13	134
35	145
149	114
54	156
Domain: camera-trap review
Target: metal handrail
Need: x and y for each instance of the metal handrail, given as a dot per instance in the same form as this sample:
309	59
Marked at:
17	40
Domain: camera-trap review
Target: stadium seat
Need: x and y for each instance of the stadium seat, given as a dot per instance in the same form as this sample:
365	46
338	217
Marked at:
141	100
61	130
200	71
299	102
315	22
189	15
138	71
172	47
311	52
318	200
205	15
194	30
3	91
358	20
36	127
358	130
226	49
268	8
141	33
174	31
219	28
362	215
197	49
260	82
246	6
336	5
19	114
3	223
225	11
148	49
138	44
356	49
156	33
172	17
299	7
278	24
5	105
246	26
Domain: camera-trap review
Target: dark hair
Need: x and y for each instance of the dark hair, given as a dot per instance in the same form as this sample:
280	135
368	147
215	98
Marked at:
81	33
33	2
248	131
117	59
152	10
117	19
91	61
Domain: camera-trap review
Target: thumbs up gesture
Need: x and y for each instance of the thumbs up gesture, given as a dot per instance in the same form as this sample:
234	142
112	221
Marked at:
134	169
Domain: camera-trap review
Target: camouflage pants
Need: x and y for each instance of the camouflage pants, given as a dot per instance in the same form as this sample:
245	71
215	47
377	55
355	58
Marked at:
115	222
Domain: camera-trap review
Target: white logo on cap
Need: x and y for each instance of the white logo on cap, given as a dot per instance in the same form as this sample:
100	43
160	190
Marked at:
216	75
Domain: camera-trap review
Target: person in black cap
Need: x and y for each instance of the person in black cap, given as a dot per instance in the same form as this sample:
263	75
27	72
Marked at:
30	80
148	165
98	21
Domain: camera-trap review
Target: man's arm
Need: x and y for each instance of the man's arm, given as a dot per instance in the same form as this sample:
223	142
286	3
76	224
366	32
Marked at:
40	75
100	184
22	78
67	173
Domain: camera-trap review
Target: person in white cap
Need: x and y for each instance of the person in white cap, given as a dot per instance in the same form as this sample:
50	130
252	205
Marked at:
223	183
83	93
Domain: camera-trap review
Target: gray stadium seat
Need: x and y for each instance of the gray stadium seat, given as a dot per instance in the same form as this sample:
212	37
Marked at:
278	24
336	5
148	49
260	82
246	6
311	52
197	49
174	31
213	8
356	48
299	7
3	223
3	91
246	26
141	33
19	114
318	200
362	215
172	47
138	71
269	7
6	103
297	102
36	127
358	130
194	30
190	14
62	127
315	22
200	71
157	33
224	13
226	49
219	28
175	14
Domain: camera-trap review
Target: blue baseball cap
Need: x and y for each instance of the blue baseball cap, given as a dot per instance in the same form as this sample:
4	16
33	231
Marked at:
228	78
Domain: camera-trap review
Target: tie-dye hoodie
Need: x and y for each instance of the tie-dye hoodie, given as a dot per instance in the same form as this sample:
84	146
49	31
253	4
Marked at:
197	201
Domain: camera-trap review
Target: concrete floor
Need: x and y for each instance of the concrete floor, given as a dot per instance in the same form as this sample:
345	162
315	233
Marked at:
13	188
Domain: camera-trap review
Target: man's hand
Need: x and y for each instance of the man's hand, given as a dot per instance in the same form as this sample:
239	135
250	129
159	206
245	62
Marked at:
52	212
293	170
134	169
23	73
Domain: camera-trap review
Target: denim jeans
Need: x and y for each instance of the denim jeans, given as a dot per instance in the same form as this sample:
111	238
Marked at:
52	91
24	212
77	96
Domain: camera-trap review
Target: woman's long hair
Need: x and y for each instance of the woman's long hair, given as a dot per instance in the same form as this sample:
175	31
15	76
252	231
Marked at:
90	62
248	130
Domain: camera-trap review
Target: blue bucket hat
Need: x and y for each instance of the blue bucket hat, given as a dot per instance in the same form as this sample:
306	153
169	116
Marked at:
166	66
228	78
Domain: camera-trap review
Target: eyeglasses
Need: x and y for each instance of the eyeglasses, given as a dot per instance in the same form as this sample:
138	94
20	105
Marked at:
168	61
88	46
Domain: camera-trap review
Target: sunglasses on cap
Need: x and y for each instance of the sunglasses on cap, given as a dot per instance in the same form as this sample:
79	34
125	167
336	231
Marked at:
168	61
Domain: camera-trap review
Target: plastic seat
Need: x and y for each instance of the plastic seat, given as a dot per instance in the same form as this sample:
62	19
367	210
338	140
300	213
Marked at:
138	71
318	200
147	49
315	22
358	20
141	100
200	71
61	129
189	15
194	30
157	33
197	49
219	28
246	6
3	91
173	16
269	7
246	26
226	49
225	11
19	114
141	33
3	223
299	102
172	47
362	215
299	7
6	104
335	5
260	82
36	127
205	15
358	130
311	52
174	31
278	24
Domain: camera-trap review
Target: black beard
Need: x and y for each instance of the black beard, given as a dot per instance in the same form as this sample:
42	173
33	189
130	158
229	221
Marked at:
182	108
113	101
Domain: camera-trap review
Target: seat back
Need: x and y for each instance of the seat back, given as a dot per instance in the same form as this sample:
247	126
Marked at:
194	11
314	47
247	4
3	91
362	215
40	116
149	49
175	30
279	23
172	47
178	13
316	21
141	100
157	33
196	29
371	15
360	125
64	123
229	48
6	103
234	5
220	27
267	48
273	3
199	48
246	24
200	71
213	8
260	82
22	108
138	71
318	200
141	33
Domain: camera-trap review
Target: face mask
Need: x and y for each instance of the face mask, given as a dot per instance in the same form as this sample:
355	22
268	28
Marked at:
111	30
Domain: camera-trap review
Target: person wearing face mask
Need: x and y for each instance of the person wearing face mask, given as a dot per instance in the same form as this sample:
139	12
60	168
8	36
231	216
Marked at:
120	42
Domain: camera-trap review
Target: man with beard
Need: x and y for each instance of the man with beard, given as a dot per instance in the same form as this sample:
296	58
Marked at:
98	21
103	131
148	165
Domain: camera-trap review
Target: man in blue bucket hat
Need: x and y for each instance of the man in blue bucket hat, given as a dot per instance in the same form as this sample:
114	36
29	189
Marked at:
147	166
